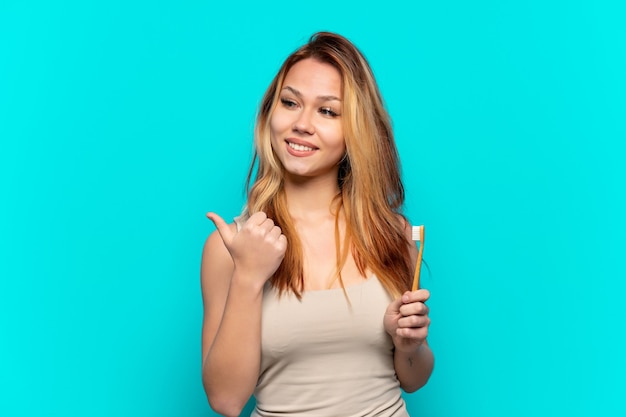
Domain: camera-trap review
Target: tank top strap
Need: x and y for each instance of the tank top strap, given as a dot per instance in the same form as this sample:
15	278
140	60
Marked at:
240	220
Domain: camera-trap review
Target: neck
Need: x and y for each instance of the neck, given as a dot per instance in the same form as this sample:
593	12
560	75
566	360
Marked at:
310	198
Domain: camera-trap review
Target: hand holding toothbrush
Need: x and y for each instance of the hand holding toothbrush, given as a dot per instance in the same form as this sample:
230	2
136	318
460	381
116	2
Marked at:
257	249
406	320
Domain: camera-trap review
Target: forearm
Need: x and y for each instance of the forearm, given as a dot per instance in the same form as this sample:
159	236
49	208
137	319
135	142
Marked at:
413	368
231	366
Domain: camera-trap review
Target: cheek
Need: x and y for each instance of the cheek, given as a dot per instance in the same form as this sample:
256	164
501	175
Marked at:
278	122
334	136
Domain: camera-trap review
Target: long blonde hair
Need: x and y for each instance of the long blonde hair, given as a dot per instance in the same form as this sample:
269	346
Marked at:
371	191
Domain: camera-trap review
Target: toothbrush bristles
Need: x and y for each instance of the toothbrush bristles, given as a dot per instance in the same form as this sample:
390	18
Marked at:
416	232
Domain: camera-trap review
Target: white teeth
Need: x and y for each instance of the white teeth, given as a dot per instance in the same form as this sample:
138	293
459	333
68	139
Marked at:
299	147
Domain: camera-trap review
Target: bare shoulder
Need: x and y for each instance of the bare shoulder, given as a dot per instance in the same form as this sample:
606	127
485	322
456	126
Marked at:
216	261
214	246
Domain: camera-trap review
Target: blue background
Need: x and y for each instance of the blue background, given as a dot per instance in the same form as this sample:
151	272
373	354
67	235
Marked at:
122	123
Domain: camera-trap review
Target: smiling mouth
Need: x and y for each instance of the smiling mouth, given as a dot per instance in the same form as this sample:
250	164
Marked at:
300	148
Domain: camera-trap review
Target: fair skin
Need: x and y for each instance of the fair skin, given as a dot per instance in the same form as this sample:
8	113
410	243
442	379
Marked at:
307	137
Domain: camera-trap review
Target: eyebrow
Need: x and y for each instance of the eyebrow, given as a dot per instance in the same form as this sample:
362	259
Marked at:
322	98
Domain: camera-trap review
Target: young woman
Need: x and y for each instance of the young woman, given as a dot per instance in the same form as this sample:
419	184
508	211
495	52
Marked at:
305	294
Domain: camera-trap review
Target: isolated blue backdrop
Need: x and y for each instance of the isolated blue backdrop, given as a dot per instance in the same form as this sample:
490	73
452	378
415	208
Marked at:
122	123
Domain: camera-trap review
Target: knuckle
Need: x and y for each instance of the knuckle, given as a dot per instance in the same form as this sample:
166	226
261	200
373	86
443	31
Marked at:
258	215
413	321
417	321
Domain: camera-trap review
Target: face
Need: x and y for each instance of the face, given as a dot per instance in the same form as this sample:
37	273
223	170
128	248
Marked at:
306	128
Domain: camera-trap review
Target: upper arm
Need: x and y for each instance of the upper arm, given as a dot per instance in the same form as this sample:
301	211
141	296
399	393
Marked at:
215	273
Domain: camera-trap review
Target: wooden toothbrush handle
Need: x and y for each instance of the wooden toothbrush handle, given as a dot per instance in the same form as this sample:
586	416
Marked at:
418	266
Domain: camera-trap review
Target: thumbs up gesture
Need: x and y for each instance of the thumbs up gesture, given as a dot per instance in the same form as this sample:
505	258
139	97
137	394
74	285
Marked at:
257	249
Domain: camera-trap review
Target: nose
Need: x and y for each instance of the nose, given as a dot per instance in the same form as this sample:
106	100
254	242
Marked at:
303	124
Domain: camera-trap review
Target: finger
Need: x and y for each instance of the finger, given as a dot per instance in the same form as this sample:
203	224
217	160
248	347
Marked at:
223	228
416	296
282	240
413	322
257	218
418	334
274	233
267	225
416	308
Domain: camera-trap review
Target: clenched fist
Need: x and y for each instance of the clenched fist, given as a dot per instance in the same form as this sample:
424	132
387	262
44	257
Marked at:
406	320
257	249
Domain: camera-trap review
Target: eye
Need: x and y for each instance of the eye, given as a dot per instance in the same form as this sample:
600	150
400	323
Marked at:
290	104
327	111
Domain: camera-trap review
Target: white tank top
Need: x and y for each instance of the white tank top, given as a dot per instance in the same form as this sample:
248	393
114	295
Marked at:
323	357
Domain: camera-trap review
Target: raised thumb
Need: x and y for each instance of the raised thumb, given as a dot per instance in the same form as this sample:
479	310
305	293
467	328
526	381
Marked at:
222	228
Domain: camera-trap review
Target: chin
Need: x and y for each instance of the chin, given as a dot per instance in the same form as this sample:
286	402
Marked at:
299	173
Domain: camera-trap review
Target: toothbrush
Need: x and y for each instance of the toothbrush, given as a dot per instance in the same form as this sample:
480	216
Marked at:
418	236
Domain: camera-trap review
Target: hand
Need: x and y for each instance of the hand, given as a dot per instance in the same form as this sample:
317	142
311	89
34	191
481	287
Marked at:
257	249
406	320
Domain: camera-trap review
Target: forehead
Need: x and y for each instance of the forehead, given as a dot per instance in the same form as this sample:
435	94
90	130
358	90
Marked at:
312	77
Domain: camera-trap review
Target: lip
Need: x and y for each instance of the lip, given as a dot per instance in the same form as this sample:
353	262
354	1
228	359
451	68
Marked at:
301	142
